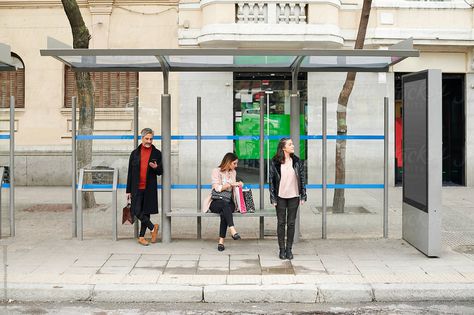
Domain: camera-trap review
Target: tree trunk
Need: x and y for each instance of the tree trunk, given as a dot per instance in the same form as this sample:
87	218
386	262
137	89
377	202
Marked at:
339	199
85	90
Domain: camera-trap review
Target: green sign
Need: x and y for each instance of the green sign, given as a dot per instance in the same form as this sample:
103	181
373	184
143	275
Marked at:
276	124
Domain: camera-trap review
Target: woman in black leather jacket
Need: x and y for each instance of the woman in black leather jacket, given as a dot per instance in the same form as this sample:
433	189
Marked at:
287	192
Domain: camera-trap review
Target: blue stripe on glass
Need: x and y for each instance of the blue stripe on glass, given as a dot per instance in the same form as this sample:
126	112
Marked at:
224	137
4	137
4	185
346	186
248	186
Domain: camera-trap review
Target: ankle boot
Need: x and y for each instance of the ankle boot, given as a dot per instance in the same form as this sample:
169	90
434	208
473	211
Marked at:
289	254
282	253
143	241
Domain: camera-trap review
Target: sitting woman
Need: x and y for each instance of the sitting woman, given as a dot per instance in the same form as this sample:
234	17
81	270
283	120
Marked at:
221	200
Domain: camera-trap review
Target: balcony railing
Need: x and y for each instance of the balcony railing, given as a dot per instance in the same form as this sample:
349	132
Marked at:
285	12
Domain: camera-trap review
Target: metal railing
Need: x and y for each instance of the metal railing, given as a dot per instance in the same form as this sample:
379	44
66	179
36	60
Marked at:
97	188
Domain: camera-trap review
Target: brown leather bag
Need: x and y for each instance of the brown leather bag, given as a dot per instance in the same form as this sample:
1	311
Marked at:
127	217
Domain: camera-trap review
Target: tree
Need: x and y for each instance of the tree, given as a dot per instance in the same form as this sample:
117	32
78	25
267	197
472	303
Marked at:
85	90
339	199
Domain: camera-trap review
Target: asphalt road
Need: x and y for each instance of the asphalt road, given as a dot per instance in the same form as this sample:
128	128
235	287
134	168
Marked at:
229	308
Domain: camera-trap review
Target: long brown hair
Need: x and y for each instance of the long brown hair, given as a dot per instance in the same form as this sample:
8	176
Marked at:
228	158
280	154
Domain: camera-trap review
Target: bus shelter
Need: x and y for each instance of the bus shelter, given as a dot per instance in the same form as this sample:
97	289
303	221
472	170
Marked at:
6	64
223	60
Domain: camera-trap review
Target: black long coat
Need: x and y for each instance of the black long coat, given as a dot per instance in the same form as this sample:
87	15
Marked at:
150	202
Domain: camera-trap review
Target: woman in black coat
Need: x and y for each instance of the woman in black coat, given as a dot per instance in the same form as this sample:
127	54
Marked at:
287	192
143	168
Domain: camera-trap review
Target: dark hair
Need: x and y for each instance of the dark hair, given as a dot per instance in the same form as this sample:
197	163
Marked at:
280	155
229	157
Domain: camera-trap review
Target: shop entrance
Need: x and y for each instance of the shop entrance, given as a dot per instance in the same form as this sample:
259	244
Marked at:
273	90
453	127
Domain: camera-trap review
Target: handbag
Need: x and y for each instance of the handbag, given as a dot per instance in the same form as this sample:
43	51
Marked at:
224	195
127	214
248	198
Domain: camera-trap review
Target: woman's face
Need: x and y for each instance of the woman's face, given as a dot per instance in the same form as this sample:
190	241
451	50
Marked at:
289	147
233	165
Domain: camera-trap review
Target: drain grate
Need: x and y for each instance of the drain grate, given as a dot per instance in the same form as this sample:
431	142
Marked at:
465	249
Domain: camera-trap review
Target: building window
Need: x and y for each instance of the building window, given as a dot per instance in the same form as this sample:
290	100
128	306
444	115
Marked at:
111	89
13	84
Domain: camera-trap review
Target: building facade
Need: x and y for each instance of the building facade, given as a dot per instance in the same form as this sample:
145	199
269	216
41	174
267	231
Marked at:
43	86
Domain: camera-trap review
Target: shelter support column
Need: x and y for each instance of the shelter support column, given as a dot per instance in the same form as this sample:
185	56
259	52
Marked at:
166	160
324	169
262	167
385	168
295	136
135	145
74	166
12	166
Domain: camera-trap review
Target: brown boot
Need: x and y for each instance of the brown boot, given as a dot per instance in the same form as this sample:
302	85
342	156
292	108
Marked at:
143	241
154	233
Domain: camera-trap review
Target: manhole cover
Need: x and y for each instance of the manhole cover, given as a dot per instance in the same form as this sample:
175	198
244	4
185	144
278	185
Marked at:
52	207
347	210
465	249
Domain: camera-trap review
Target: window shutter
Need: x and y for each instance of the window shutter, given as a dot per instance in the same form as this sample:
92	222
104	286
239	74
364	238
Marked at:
12	83
111	89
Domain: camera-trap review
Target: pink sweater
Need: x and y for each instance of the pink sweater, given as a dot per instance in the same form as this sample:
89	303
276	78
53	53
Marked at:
218	179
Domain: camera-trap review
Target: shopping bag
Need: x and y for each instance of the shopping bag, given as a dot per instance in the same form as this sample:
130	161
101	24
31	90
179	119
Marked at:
127	214
239	196
248	199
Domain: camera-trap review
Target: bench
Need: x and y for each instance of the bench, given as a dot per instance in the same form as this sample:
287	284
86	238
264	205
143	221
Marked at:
192	213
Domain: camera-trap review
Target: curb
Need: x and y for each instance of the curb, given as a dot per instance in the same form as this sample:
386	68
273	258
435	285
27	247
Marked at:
282	293
26	292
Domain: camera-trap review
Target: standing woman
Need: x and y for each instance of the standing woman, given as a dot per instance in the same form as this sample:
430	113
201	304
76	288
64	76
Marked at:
287	192
222	200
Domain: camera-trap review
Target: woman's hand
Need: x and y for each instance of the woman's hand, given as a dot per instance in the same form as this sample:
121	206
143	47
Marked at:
153	164
237	184
301	202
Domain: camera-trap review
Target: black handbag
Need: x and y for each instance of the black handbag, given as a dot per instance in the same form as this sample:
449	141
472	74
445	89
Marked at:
224	195
248	198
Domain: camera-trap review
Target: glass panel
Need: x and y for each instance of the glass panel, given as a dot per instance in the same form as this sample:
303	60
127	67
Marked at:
344	61
362	215
112	61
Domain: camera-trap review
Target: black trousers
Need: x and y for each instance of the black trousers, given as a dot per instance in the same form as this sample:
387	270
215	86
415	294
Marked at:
144	218
286	210
225	209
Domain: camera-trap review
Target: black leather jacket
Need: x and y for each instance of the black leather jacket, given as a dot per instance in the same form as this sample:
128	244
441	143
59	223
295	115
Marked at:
275	174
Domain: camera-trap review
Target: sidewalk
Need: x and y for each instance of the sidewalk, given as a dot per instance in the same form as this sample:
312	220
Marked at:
354	265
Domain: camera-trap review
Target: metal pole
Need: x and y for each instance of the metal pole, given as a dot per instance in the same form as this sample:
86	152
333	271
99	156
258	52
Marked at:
295	136
324	168
166	178
262	167
385	169
2	170
135	145
74	166
114	204
12	166
198	161
80	216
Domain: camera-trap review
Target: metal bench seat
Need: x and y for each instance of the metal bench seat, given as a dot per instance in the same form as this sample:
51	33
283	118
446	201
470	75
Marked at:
187	213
